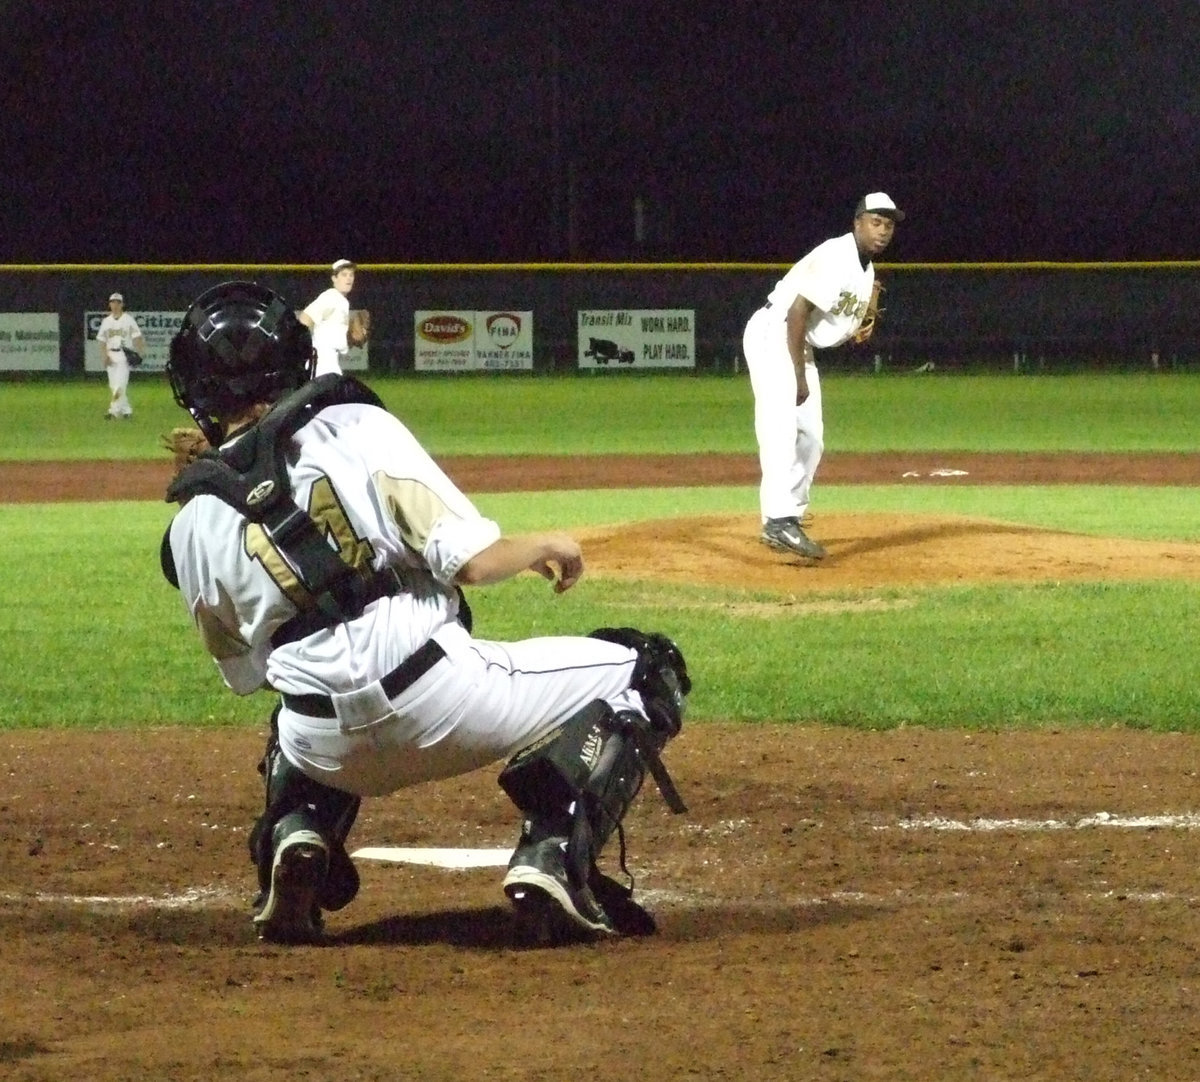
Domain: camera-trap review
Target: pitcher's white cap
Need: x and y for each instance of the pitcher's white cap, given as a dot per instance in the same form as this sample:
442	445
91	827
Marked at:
879	203
342	264
116	297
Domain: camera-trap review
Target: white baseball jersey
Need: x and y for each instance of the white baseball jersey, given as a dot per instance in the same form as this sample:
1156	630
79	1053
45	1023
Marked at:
330	314
376	493
833	279
118	333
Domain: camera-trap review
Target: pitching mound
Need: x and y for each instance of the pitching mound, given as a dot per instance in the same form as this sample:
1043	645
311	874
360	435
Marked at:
874	550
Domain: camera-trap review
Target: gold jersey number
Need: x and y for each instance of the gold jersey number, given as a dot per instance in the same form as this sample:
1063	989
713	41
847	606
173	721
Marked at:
326	510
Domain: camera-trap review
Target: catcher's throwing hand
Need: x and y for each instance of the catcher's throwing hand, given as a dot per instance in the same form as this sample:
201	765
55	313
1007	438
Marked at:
561	561
867	327
360	327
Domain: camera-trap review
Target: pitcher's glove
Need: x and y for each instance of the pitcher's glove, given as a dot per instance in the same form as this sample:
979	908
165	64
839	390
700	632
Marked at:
867	327
360	327
186	445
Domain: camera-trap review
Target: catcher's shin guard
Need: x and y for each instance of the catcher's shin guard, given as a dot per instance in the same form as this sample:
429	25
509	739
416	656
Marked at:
575	787
318	808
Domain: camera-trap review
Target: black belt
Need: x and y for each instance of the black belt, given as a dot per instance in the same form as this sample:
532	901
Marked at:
404	675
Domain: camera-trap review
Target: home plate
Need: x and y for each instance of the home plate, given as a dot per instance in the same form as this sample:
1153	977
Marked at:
438	858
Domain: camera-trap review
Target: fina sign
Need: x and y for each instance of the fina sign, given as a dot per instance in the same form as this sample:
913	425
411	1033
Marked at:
455	341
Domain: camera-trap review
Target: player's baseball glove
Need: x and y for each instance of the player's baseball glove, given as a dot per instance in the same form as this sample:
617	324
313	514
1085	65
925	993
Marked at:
360	327
867	327
186	444
132	357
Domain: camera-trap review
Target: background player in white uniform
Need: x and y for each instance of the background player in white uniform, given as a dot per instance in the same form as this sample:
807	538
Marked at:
117	330
398	692
328	317
820	302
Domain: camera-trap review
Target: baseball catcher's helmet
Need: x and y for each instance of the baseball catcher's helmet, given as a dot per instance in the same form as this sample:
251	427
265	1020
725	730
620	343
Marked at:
240	344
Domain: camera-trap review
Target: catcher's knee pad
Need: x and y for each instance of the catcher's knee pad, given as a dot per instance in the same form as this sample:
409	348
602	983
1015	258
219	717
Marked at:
578	782
660	677
330	812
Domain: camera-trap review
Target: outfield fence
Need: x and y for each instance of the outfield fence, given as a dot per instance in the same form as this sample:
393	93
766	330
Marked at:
1026	317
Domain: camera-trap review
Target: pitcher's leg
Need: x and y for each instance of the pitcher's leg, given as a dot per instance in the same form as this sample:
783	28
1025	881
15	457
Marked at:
773	381
810	441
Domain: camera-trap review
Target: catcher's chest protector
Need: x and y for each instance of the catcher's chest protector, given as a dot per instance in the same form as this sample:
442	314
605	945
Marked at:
251	476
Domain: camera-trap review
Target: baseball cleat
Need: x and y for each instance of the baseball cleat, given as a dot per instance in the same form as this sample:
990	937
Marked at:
616	899
290	913
787	535
549	908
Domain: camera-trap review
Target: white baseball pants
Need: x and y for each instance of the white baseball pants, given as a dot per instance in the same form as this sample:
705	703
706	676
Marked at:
791	438
118	385
482	703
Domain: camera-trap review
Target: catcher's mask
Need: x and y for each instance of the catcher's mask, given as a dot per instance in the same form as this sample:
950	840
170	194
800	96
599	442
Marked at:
240	344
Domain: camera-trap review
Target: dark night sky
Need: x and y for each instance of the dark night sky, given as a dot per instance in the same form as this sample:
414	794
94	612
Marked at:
393	131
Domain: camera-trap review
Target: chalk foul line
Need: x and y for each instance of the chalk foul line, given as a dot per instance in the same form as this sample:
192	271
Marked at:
1180	821
208	897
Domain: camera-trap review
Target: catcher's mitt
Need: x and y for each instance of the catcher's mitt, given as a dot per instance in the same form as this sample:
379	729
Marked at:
867	327
186	444
360	327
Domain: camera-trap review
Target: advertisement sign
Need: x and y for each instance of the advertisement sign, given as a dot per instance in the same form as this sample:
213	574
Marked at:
458	341
29	342
158	328
637	338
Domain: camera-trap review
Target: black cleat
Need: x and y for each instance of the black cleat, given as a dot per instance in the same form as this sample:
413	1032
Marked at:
550	908
787	535
290	913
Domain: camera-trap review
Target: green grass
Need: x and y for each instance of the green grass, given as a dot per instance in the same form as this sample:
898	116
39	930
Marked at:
93	636
1087	654
669	414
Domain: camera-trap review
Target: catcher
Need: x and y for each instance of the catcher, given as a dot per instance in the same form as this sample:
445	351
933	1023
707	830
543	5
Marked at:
830	297
321	552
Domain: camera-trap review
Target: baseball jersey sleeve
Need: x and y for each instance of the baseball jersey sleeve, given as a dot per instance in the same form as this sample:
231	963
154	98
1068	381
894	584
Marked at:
434	518
815	281
420	508
318	309
815	278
